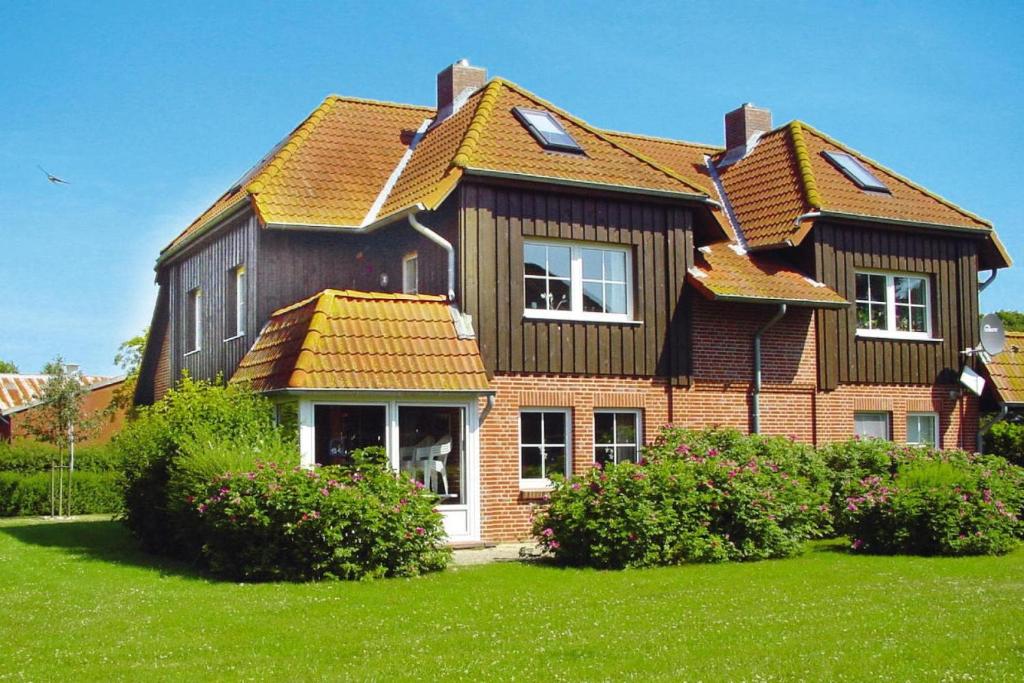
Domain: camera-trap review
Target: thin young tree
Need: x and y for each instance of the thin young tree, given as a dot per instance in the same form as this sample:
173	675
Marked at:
59	419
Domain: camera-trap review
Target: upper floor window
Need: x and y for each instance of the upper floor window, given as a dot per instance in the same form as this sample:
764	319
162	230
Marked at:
194	320
893	305
235	300
410	274
577	281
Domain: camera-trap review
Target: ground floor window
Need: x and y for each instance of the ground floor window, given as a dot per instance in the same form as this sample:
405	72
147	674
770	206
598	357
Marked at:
543	445
616	436
923	428
341	429
871	425
430	449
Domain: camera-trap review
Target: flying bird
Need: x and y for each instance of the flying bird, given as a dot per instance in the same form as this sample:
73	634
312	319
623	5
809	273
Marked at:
52	178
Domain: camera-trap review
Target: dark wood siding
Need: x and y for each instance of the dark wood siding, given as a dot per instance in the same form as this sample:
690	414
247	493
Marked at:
951	265
208	267
494	222
296	265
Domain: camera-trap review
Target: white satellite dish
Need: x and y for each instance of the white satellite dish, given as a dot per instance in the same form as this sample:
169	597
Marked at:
972	380
993	336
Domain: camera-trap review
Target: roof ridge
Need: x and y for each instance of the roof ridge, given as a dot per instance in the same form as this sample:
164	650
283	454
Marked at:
484	109
600	134
383	103
660	138
309	338
295	139
803	161
937	197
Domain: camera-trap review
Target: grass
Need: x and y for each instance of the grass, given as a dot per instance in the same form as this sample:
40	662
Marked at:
78	602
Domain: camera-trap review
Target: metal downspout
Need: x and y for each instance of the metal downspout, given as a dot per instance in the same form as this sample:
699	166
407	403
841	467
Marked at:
756	394
1003	410
444	244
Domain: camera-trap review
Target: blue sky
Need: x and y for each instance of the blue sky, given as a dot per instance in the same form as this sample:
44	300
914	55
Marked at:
152	111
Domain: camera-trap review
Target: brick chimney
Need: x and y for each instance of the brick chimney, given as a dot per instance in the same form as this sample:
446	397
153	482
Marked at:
743	123
455	79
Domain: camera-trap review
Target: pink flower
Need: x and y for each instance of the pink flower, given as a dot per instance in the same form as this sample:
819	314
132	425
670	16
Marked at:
683	449
554	545
548	533
420	531
202	508
712	452
575	486
325	492
850	506
857	544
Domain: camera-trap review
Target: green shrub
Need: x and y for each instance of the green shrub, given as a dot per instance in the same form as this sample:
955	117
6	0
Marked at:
24	455
29	494
230	422
1006	439
277	523
936	503
697	497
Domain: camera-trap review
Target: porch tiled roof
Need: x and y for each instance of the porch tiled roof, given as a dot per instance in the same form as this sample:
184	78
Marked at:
725	273
344	339
1006	371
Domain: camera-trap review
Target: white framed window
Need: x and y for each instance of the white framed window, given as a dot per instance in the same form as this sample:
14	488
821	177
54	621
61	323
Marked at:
194	320
544	446
577	281
617	436
923	428
235	299
893	305
410	274
871	425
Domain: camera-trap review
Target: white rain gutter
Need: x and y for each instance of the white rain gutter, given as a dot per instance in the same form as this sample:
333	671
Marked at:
756	393
444	244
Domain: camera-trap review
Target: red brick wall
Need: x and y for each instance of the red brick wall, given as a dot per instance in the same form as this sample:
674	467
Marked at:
719	395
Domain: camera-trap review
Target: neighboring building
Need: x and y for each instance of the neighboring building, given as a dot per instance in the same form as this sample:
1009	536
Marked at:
1004	374
19	400
496	291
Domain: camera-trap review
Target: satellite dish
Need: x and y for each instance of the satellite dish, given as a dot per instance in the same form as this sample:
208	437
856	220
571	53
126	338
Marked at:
993	336
972	380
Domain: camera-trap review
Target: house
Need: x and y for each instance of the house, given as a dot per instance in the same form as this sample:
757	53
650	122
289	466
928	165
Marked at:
496	291
20	401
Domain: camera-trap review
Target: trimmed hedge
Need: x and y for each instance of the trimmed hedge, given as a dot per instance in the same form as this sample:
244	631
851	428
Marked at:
29	494
28	456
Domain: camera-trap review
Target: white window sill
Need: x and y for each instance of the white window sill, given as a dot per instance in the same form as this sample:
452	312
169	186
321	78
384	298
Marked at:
536	485
192	352
570	316
237	336
897	336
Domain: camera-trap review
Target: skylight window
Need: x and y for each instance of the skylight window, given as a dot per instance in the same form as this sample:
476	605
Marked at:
548	131
856	171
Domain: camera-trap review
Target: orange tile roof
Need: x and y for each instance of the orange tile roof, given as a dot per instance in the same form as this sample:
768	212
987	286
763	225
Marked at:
19	391
725	272
1006	371
329	170
787	175
343	339
686	158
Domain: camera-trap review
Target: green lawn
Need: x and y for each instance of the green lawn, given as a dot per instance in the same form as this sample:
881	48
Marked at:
78	602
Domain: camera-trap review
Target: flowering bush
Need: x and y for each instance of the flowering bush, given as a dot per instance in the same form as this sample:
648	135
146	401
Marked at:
935	503
282	523
697	496
169	446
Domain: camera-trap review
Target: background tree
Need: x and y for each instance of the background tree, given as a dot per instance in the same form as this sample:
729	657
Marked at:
60	412
1013	321
129	359
7	366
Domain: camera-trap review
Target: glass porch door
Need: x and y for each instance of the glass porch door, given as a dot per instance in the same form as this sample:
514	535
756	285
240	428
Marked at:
430	450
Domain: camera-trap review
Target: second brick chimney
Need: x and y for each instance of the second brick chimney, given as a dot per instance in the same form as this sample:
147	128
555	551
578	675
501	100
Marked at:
455	79
744	123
